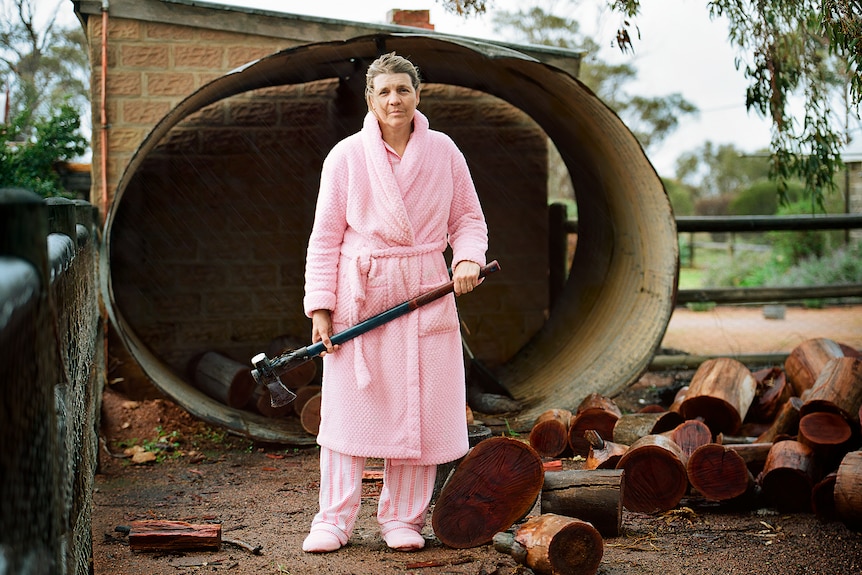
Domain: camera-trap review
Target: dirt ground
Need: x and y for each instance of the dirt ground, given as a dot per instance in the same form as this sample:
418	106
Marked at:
264	497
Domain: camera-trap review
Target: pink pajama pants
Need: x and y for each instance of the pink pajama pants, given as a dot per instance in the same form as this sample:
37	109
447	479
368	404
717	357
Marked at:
404	499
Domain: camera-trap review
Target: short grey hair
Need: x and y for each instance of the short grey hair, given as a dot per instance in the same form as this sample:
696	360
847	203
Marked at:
391	64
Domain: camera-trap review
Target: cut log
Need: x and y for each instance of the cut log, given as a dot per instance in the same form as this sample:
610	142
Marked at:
224	379
786	423
655	474
475	434
550	433
264	406
603	454
827	434
554	545
303	394
680	396
690	435
302	374
823	498
593	496
158	535
495	485
310	416
754	454
805	361
720	393
719	473
773	390
848	490
788	476
595	412
632	426
838	388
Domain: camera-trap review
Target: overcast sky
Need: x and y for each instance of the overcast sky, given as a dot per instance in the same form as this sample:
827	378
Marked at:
681	50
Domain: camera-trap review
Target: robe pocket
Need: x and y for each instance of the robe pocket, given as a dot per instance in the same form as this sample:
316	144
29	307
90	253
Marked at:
439	316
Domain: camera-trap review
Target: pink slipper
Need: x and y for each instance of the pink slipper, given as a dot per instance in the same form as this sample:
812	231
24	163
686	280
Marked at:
320	541
404	539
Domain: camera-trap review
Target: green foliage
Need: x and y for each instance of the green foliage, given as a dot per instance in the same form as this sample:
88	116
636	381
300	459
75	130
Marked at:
762	197
793	247
720	170
839	266
29	163
650	119
681	197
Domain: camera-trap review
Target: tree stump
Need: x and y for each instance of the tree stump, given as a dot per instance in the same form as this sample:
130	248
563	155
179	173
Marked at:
554	544
603	454
719	473
593	496
632	426
494	486
595	412
720	393
550	433
788	476
656	478
848	490
805	361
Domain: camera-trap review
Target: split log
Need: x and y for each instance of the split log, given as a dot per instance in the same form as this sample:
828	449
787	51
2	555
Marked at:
495	485
719	473
554	544
310	416
593	496
838	388
720	393
823	498
224	379
603	454
690	435
632	426
848	490
158	535
550	433
788	476
805	361
786	423
595	412
656	478
773	390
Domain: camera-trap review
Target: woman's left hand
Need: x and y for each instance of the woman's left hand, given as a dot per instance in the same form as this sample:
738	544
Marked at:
465	276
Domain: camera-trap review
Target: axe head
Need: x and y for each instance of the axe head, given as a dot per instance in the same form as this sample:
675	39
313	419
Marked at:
264	374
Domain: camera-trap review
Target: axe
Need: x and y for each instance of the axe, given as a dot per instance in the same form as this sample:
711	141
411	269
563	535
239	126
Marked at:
267	371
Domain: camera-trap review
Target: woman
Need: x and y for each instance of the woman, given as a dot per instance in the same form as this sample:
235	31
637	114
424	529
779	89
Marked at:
391	198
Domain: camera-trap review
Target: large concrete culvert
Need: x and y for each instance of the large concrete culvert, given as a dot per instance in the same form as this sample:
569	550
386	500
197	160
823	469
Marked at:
206	235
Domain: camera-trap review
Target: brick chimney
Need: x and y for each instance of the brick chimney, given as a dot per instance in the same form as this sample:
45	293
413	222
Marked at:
412	18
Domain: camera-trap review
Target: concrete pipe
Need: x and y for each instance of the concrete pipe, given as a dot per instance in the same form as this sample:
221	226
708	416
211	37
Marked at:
599	336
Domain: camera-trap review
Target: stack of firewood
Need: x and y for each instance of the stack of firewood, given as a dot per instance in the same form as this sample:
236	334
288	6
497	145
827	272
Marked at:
788	437
230	382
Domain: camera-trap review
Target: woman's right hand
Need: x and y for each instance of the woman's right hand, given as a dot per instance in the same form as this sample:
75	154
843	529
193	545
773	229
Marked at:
321	329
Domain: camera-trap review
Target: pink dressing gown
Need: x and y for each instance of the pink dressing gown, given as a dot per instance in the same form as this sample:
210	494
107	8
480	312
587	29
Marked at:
396	392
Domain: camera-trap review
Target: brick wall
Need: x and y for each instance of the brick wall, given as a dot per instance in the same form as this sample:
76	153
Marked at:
208	243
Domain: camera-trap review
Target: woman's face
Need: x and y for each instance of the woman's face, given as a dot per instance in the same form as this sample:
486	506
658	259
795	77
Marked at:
393	100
